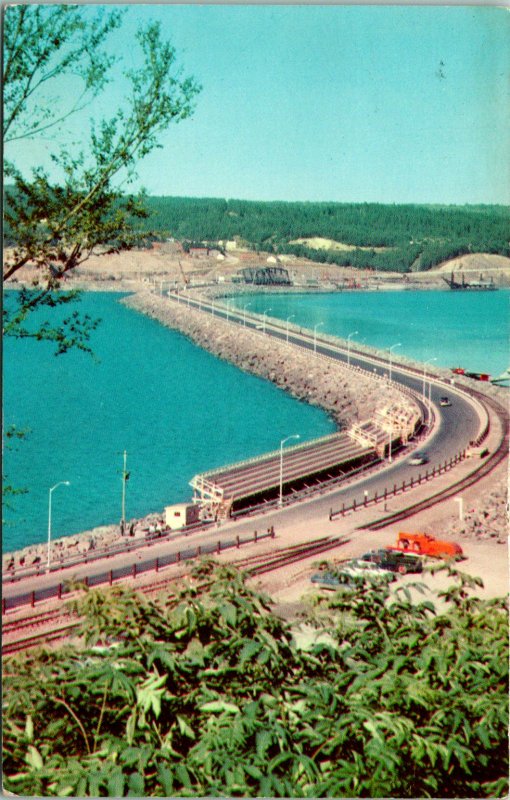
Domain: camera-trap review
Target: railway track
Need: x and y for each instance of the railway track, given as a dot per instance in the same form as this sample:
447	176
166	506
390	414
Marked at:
292	555
27	642
31	621
257	564
253	565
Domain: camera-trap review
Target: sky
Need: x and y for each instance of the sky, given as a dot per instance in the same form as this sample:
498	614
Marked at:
390	104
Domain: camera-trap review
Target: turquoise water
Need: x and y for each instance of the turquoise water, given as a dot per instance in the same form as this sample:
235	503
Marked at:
458	329
176	409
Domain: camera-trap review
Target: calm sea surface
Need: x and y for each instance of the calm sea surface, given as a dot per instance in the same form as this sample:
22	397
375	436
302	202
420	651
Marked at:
178	410
458	329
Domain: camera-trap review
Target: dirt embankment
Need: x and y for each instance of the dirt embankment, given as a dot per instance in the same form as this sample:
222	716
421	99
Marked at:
346	395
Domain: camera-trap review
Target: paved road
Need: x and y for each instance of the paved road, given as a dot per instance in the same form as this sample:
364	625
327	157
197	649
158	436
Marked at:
456	426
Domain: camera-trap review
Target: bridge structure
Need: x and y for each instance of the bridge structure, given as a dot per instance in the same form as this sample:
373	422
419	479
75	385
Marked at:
266	276
277	475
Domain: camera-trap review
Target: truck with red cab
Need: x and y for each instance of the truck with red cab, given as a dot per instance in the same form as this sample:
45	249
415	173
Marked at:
425	544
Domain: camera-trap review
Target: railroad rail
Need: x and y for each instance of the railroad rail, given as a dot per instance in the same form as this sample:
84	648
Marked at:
39	639
254	565
31	621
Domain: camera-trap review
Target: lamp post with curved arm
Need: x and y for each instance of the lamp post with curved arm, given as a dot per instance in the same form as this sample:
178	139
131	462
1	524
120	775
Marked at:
294	436
391	349
424	366
60	483
288	320
264	319
354	333
244	313
315	335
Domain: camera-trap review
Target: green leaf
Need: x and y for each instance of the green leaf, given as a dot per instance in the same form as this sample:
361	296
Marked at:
229	613
116	784
263	741
166	779
184	728
217	706
136	785
248	651
29	728
131	727
149	694
34	758
182	775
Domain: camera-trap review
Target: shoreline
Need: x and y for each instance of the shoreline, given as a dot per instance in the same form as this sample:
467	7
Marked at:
334	388
346	396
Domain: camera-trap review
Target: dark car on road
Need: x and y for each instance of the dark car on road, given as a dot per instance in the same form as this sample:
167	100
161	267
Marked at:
394	561
418	458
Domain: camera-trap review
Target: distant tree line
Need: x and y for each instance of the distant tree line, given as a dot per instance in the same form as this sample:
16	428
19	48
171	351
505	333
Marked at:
413	237
416	236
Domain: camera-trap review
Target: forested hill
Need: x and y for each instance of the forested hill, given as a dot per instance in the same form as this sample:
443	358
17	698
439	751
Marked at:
385	237
411	236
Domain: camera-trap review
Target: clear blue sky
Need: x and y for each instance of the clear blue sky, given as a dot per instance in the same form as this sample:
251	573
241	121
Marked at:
342	103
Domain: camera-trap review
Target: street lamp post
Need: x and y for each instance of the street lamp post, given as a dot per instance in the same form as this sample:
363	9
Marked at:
288	320
264	319
294	436
315	335
399	344
424	366
125	476
390	444
228	308
244	313
354	333
60	483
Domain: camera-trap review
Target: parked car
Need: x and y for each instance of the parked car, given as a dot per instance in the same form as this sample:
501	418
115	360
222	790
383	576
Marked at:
359	566
427	545
394	560
419	458
444	401
352	573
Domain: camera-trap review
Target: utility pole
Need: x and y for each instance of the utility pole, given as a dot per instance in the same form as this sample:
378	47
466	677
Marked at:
125	476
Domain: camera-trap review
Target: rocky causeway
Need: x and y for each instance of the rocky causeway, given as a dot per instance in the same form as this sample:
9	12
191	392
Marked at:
346	394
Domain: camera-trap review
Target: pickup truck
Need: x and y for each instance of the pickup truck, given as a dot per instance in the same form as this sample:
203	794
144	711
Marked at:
425	544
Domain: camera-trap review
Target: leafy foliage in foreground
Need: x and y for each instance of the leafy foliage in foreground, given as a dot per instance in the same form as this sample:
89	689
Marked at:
56	219
209	693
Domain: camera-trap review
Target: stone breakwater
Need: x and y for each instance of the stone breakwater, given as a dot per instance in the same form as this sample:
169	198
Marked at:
487	517
347	395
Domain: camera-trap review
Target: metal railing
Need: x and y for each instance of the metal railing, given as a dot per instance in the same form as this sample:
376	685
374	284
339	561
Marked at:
133	570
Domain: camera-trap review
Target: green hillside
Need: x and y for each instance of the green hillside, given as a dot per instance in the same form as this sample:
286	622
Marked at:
385	237
406	236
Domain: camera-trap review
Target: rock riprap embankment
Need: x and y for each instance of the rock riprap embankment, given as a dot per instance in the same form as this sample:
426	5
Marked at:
347	395
486	517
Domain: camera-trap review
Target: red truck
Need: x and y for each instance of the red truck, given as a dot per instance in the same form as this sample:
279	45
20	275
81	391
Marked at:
426	545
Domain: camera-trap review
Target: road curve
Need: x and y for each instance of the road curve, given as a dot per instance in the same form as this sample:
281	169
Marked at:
454	428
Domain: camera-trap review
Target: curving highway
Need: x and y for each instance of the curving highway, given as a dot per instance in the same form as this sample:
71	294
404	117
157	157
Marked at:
453	429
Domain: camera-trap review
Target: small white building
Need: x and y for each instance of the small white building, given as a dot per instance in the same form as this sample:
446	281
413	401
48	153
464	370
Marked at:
181	514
